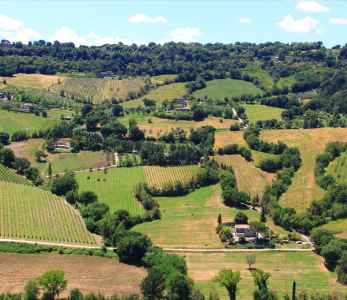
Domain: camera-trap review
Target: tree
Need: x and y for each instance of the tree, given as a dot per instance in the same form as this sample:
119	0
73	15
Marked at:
260	280
342	269
153	285
229	280
251	259
241	218
62	185
87	197
32	290
39	154
332	252
4	138
50	170
53	283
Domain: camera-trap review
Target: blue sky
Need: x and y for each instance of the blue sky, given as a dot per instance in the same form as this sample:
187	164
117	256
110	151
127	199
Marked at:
142	21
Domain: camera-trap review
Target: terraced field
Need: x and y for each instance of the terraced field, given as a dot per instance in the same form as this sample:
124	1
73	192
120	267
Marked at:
115	187
257	112
30	213
11	122
9	175
221	88
160	177
160	94
249	178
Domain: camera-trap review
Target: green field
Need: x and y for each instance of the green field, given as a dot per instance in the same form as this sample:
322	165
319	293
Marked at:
304	267
257	112
285	82
338	227
11	122
221	88
10	175
190	221
115	188
30	213
263	76
338	169
63	162
160	94
161	79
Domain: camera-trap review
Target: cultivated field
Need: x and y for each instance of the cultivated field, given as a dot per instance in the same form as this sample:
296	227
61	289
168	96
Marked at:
11	122
310	142
160	177
115	187
249	178
98	90
90	274
37	81
26	149
338	169
221	88
158	126
30	213
263	76
256	112
160	94
10	175
305	268
161	79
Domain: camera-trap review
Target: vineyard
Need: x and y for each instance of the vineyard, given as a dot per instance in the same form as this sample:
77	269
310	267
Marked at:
160	177
9	175
30	213
114	186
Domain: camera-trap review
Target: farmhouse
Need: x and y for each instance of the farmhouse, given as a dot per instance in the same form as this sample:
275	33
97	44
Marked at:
26	107
181	105
62	145
243	231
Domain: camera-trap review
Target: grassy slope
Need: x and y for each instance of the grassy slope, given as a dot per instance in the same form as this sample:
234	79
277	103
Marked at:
285	82
114	188
33	214
263	76
338	169
10	175
160	94
221	88
310	142
338	227
305	268
257	112
11	122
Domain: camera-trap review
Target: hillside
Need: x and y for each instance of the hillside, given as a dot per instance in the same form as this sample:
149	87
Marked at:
10	175
33	214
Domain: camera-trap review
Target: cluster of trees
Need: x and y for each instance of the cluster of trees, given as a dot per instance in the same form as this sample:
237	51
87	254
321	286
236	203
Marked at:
232	149
21	165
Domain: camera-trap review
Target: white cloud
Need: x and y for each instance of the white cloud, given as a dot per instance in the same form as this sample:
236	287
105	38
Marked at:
311	6
305	25
66	34
14	30
245	20
142	18
338	21
184	34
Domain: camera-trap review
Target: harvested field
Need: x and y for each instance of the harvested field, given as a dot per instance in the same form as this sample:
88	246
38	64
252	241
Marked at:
87	273
38	81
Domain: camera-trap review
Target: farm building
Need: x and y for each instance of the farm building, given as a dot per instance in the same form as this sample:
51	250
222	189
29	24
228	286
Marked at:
243	231
62	145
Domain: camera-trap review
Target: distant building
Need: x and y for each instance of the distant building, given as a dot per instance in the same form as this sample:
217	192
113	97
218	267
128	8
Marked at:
62	145
244	231
181	105
26	107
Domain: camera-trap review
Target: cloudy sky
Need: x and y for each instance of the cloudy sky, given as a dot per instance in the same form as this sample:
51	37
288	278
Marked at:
141	21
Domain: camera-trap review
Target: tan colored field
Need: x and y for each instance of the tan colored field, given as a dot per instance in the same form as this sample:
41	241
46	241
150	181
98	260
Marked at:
159	177
26	149
37	81
160	126
249	178
223	138
304	267
310	142
87	273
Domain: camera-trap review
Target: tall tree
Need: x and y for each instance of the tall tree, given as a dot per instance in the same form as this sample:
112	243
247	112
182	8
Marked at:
229	280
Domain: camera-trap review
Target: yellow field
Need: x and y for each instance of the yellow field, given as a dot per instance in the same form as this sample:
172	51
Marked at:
161	177
310	142
37	81
223	138
30	213
159	126
249	178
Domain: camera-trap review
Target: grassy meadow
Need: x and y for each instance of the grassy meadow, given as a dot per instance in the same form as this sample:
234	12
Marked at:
160	94
11	122
114	187
263	76
221	88
30	213
338	169
337	227
257	112
285	82
305	268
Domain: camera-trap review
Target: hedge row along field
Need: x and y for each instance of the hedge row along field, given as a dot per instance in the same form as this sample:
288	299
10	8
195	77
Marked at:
32	214
9	175
115	187
160	177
